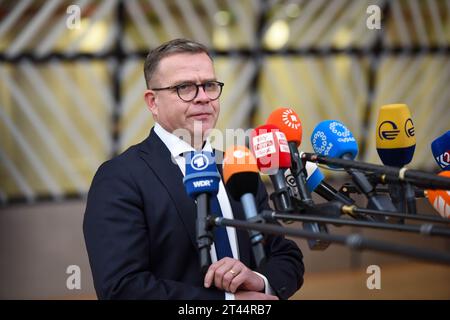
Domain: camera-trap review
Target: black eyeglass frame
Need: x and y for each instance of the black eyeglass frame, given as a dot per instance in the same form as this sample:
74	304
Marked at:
176	88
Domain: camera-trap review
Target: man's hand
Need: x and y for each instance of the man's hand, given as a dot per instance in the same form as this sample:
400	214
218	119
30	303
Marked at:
231	274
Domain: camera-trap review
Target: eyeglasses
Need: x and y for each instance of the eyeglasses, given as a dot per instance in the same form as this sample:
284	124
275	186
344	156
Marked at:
188	91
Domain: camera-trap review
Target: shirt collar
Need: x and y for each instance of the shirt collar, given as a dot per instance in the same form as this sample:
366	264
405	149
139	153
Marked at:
175	145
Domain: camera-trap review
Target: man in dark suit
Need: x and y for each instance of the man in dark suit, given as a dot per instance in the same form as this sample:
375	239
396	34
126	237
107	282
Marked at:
139	223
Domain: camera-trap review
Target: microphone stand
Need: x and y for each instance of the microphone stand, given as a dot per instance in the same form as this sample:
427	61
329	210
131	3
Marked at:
420	217
334	209
348	188
204	234
375	201
313	244
353	241
327	192
256	238
410	198
397	193
403	197
388	173
403	194
425	229
299	173
281	197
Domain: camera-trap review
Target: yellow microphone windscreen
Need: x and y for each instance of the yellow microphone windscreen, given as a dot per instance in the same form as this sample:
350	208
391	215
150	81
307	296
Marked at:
395	136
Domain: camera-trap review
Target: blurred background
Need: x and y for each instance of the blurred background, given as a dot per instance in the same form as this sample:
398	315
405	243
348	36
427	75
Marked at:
71	97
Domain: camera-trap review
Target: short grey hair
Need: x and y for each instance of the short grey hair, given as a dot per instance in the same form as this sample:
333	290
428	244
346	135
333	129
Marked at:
173	46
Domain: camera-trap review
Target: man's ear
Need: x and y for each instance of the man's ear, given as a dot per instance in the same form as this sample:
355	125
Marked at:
150	100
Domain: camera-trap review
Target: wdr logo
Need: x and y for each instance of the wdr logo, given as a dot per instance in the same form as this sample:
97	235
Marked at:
203	183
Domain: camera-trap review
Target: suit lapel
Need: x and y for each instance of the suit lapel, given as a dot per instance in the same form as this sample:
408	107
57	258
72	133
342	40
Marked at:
158	157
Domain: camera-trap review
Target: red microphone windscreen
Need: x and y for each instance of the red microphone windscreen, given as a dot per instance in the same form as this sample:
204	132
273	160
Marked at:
288	122
440	199
271	149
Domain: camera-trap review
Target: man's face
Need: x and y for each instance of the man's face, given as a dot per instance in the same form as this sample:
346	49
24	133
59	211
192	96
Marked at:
168	109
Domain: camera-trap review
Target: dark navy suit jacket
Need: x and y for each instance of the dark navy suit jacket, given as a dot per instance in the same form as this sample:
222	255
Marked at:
139	228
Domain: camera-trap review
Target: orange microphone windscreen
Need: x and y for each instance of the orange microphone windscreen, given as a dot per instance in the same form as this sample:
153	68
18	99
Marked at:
238	159
240	172
289	123
440	199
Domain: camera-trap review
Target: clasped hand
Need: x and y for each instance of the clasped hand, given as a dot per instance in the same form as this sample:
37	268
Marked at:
233	276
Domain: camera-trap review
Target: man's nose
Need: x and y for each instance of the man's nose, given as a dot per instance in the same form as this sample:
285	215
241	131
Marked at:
201	95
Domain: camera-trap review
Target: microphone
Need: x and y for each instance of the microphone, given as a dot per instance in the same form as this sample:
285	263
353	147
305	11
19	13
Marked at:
314	181
240	174
395	140
440	199
332	138
314	177
386	173
395	143
270	148
202	181
289	123
441	150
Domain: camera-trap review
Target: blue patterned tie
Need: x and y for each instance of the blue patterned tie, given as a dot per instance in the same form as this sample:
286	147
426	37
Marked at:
221	241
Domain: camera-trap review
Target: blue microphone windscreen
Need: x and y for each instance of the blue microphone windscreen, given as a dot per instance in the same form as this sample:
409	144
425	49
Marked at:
314	178
201	174
441	150
332	138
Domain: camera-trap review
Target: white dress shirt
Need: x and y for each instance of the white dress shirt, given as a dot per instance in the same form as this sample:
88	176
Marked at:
177	148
